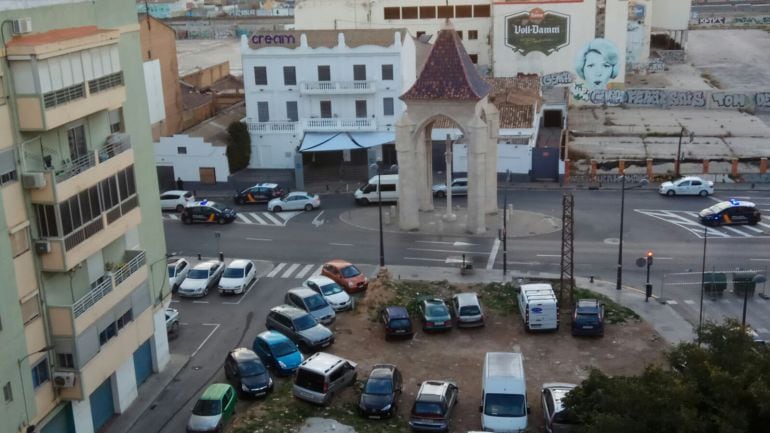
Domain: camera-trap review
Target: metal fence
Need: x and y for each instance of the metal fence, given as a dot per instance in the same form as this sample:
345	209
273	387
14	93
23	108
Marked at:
684	283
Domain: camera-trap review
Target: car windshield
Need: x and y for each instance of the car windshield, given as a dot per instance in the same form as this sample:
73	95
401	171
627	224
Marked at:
233	273
198	274
283	348
331	289
207	408
378	387
217	206
171	271
428	408
350	271
591	318
305	322
399	323
315	302
251	368
719	207
506	405
436	310
470	310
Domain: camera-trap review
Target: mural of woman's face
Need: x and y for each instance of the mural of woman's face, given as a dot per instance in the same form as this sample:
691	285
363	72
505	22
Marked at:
597	70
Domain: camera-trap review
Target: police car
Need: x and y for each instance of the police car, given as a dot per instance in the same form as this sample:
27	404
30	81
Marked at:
259	193
730	212
206	211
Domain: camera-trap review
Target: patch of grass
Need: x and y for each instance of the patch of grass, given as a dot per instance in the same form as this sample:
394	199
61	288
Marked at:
498	297
410	293
613	312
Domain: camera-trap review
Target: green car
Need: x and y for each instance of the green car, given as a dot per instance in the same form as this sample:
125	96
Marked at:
213	410
435	315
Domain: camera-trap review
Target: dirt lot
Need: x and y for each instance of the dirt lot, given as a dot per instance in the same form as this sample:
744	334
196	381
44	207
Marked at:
456	355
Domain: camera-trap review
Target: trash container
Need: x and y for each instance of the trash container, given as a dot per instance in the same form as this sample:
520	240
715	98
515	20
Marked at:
714	283
744	282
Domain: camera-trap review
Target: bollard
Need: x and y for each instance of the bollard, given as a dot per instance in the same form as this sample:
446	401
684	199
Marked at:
221	256
386	218
591	279
199	256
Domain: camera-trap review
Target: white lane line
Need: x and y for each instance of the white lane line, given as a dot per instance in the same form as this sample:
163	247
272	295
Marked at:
243	295
663	258
273	219
549	255
318	270
243	218
454	260
304	271
216	326
493	254
290	270
173	216
175	301
734	230
715	199
424	259
200	302
447	251
765	225
524	263
759	260
257	218
289	215
754	229
276	270
671	302
340	245
689	302
259	239
434	242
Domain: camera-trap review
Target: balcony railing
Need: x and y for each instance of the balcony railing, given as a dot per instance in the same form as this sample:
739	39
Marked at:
92	297
84	232
271	127
337	87
139	259
339	124
109	282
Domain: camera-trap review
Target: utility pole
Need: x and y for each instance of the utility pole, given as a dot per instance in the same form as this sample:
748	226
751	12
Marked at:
504	234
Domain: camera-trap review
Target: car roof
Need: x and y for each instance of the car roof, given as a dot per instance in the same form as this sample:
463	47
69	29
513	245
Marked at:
206	265
215	391
243	354
321	280
338	263
432	388
460	178
288	310
587	305
203	202
293	193
175	191
175	260
239	263
303	292
322	361
397	312
382	371
434	301
266	185
464	299
272	337
559	391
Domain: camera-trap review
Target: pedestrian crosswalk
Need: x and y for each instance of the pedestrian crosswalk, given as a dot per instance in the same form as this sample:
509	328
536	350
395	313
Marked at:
294	270
690	221
278	219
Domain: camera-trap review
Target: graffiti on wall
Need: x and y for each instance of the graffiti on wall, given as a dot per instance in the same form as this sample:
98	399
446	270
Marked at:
555	79
662	98
738	21
597	63
671	57
636	32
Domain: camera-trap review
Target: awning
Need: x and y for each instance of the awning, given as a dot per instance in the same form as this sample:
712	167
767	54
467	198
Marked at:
335	141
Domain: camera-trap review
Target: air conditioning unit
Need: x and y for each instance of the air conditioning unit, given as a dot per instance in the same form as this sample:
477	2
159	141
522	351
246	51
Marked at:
21	25
42	247
33	180
64	379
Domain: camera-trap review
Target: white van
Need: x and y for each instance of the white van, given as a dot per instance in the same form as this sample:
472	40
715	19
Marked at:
369	193
504	393
539	307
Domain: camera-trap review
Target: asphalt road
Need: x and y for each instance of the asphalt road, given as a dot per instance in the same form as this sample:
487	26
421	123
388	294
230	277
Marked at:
290	247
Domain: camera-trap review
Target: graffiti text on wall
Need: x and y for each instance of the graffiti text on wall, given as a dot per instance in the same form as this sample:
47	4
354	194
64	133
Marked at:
557	79
661	98
751	20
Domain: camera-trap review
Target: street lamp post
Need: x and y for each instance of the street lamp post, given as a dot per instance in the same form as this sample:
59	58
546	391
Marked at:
679	149
379	205
642	183
703	279
30	428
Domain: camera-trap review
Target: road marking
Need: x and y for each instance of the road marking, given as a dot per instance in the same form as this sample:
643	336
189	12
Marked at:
762	330
200	302
318	222
433	242
259	239
243	218
447	251
524	263
463	244
286	216
318	270
172	216
216	326
454	260
689	302
291	269
304	271
663	258
718	200
754	229
671	302
257	218
276	270
493	254
765	225
341	245
549	255
746	235
454	244
245	292
175	301
759	260
274	219
424	259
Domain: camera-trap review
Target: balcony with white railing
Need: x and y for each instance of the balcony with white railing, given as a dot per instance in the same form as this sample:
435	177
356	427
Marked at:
286	127
339	124
337	87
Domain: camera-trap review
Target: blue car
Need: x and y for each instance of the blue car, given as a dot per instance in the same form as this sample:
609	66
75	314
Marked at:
278	352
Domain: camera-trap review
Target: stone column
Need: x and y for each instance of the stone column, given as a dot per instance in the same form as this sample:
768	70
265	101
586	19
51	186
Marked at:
649	169
566	172
424	170
622	166
734	168
593	169
477	165
493	128
762	165
408	199
705	166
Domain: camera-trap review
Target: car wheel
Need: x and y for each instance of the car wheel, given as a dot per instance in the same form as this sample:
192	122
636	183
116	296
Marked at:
205	292
220	221
703	193
308	207
174	331
753	222
187	220
363	201
277	209
179	208
671	193
440	194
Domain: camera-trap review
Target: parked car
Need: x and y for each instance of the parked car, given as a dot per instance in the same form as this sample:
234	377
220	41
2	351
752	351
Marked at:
588	318
259	193
311	302
278	352
321	376
433	406
334	294
435	315
397	322
459	187
205	211
297	200
203	277
300	327
175	200
177	272
247	374
730	212
467	310
381	392
557	418
238	276
688	185
213	410
346	275
172	322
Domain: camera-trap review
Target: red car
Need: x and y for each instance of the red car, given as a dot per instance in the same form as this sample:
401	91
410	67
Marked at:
346	275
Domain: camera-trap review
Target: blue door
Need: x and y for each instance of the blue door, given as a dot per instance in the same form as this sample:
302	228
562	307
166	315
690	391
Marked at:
102	408
61	423
143	362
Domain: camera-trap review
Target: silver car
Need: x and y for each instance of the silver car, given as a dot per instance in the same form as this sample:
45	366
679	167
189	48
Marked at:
321	376
202	278
467	310
300	327
297	200
459	187
308	300
689	185
557	420
334	294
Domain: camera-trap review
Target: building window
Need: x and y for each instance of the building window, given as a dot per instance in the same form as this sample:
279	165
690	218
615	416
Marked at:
116	120
289	76
30	309
65	360
181	150
360	109
324	73
260	75
326	109
387	72
387	106
474	58
8	172
446	11
20	242
105	83
464	11
392	13
40	373
263	112
7	392
473	34
125	319
108	333
76	137
481	11
409	13
291	111
46	220
359	72
460	34
427	12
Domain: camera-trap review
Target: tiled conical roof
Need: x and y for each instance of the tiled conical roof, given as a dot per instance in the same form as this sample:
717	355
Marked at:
448	74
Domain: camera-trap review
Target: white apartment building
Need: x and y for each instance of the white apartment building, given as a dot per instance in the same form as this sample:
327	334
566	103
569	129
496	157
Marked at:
333	92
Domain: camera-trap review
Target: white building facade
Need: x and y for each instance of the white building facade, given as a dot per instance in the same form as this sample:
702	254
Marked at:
314	85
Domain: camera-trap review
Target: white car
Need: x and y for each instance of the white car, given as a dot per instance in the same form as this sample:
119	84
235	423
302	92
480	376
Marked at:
175	200
459	187
177	272
297	200
334	294
689	185
238	275
201	278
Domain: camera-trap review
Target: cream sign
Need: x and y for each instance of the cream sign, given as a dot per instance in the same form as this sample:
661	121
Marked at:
537	30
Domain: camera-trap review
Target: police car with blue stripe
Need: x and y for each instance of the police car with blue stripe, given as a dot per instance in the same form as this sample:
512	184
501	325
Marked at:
206	211
730	212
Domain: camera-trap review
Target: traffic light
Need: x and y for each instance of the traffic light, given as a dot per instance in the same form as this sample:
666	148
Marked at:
649	257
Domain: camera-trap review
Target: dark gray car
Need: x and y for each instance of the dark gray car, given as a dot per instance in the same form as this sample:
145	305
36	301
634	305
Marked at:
300	327
311	302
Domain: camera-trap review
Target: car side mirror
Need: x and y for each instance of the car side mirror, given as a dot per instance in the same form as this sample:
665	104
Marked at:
481	408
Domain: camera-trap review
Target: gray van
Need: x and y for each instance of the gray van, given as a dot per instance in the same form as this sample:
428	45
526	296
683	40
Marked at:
321	376
300	327
311	302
